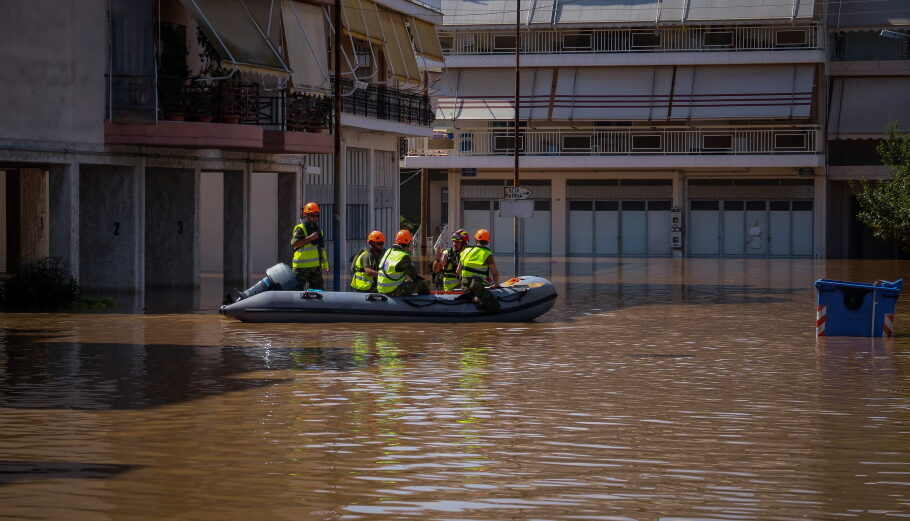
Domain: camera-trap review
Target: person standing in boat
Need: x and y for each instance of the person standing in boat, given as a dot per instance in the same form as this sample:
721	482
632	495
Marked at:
396	266
477	268
365	265
309	249
445	277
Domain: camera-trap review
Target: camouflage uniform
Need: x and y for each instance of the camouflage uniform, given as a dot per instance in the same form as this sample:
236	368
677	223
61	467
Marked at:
417	284
477	287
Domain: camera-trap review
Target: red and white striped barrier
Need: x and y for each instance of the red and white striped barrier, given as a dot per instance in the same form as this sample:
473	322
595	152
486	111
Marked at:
821	316
888	326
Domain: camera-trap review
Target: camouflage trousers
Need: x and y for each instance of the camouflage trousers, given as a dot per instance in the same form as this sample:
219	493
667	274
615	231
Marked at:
485	300
309	278
409	287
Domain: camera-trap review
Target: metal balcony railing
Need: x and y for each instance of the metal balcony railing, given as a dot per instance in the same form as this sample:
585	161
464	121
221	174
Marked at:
386	103
621	142
634	40
868	46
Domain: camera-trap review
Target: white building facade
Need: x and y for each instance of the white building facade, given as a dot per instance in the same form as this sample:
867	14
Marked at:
655	129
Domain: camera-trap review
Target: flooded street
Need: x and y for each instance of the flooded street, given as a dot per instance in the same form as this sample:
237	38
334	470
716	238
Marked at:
655	389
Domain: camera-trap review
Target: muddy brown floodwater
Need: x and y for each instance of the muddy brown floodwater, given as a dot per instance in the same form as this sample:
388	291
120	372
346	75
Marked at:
655	389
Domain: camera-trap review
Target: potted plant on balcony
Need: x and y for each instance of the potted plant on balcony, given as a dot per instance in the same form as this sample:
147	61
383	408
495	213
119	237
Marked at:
172	72
217	80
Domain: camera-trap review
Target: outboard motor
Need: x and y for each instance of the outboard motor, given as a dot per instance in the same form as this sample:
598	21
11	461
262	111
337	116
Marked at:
277	277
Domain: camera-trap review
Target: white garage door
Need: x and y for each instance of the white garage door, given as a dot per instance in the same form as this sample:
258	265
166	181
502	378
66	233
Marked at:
535	231
781	228
611	228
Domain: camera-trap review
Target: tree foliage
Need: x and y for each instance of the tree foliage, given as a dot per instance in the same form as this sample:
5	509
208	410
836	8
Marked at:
42	285
885	204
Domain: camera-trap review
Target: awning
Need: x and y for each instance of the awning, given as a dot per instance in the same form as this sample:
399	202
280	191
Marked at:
867	105
479	94
626	93
304	32
361	20
396	48
878	14
502	12
426	43
241	42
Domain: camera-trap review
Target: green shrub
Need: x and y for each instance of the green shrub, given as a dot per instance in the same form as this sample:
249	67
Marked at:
41	285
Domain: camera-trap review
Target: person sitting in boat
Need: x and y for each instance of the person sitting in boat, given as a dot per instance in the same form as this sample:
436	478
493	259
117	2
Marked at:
365	265
396	266
309	249
445	277
477	268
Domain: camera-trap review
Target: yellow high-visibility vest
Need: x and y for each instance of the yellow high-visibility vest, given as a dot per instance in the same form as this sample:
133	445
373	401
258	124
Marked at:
389	276
473	261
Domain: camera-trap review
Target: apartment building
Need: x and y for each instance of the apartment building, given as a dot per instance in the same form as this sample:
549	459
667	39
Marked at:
654	128
157	142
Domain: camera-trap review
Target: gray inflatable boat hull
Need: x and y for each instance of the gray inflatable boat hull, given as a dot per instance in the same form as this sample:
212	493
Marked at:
522	299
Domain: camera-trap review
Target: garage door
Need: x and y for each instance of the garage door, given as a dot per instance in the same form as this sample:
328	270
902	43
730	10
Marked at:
535	231
611	228
750	228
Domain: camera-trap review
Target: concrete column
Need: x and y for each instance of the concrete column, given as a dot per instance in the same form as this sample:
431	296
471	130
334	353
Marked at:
820	214
454	185
3	221
559	214
211	222
63	186
679	201
263	223
288	215
139	216
33	215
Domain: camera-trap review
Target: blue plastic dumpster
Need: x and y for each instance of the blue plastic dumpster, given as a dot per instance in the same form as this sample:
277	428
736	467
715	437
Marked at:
856	308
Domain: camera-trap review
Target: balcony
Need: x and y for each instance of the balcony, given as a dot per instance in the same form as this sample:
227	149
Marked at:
634	40
386	103
644	147
867	46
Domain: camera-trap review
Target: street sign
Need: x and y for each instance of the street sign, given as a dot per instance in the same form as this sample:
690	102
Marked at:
516	193
523	208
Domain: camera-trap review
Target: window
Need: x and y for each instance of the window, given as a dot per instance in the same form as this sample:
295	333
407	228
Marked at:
780	206
357	220
633	206
802	206
476	205
446	42
576	41
606	206
645	40
753	206
507	143
467	142
504	42
658	206
734	206
576	142
717	142
718	39
581	206
790	141
541	205
646	142
787	37
704	205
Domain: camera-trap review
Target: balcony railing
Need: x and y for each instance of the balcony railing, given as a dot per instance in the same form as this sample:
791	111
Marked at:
621	142
634	40
386	103
868	46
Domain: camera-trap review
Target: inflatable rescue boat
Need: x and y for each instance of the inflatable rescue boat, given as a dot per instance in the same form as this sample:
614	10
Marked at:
521	299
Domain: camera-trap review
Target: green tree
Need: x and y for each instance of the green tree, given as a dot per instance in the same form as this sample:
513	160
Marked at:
885	204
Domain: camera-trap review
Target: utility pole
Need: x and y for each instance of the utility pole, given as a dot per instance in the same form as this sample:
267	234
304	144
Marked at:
337	177
516	135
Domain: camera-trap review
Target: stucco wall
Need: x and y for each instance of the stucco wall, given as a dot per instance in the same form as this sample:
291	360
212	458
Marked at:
54	58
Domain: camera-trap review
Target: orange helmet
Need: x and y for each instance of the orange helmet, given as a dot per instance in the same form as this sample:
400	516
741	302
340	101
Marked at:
375	236
460	235
482	235
311	208
403	237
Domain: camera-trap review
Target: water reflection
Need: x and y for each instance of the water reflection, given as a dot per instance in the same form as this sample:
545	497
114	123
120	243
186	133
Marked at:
656	389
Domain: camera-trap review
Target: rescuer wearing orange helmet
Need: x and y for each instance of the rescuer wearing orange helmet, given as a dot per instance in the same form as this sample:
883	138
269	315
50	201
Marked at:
444	275
308	244
365	263
477	267
396	266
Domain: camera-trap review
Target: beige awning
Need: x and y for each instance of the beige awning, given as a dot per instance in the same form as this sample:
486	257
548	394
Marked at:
866	105
399	54
426	43
361	20
231	26
305	37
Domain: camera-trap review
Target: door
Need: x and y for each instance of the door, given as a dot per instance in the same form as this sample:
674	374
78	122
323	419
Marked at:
477	216
503	232
734	237
779	229
756	228
634	228
704	227
659	228
606	227
802	219
535	231
581	227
